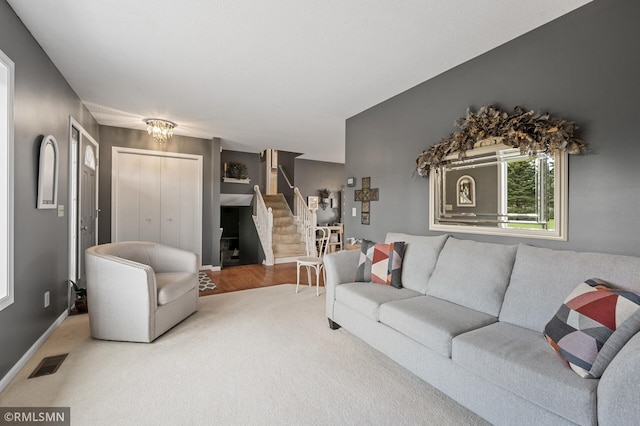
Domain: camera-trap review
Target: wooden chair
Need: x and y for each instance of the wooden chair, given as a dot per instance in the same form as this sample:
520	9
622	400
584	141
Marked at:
317	243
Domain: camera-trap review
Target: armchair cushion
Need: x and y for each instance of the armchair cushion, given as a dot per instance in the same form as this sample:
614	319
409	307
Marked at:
172	285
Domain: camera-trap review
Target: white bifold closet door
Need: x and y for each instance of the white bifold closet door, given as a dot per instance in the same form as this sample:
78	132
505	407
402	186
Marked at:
157	196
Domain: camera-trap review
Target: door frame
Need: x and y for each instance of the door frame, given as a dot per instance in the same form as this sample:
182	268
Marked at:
74	193
115	150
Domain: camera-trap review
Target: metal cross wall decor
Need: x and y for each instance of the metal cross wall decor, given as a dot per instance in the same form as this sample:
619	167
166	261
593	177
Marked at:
366	195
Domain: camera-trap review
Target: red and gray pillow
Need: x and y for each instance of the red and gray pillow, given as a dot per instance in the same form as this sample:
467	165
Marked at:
592	325
381	263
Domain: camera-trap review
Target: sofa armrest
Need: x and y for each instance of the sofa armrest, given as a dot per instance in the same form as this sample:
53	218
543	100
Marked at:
619	385
340	268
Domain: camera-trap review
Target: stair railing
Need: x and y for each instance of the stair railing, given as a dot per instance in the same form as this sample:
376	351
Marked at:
303	215
285	175
263	218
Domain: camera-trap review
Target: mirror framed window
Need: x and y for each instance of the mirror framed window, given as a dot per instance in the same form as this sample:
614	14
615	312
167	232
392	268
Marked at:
48	174
7	72
496	190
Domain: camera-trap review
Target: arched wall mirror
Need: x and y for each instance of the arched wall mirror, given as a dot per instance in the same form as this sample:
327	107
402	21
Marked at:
48	174
497	190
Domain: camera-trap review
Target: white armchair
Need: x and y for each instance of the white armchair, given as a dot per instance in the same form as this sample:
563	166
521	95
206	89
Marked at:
136	291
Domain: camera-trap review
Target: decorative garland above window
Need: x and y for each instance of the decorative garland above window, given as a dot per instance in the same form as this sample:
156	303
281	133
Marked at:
527	130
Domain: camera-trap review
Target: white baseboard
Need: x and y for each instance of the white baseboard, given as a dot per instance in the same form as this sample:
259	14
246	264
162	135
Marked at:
210	268
279	260
31	352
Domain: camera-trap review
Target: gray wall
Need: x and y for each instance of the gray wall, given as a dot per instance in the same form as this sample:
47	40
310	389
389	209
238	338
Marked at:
140	139
250	249
310	176
43	103
486	179
583	66
251	160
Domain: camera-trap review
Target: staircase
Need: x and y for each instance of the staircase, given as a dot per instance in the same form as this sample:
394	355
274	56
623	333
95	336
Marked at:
288	244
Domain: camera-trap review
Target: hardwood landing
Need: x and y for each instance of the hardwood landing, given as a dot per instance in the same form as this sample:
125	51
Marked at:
234	278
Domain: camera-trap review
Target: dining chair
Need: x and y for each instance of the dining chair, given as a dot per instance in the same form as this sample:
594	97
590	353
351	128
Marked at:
317	243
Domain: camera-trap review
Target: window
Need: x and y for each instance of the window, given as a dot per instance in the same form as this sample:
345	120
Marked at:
89	157
6	181
530	195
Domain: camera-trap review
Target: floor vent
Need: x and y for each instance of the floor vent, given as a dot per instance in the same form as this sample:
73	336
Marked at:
48	365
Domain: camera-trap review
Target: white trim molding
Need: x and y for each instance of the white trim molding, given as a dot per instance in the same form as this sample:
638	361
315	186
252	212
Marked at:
7	77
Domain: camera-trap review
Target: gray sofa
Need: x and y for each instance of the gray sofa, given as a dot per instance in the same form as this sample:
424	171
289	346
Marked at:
470	318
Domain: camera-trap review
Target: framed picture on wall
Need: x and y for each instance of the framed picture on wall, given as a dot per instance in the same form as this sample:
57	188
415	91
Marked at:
312	201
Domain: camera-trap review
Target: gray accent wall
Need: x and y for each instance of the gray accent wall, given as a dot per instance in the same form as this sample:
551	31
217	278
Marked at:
583	66
140	139
310	176
42	106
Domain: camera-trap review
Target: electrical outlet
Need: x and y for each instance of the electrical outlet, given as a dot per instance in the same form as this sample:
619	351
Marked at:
60	210
353	212
47	299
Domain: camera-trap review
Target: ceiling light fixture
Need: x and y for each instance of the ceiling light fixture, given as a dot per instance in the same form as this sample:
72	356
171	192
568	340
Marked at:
161	130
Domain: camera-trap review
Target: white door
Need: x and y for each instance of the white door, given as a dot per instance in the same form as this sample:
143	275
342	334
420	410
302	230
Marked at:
88	200
148	198
83	197
170	222
157	196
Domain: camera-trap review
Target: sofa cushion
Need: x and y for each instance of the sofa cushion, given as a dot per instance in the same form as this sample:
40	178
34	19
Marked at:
592	325
473	274
543	278
420	257
521	361
172	285
366	298
381	263
431	321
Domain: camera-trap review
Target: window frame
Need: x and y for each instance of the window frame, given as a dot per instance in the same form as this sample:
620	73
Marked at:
6	182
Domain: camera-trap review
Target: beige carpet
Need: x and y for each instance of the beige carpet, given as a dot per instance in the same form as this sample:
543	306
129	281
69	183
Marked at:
261	356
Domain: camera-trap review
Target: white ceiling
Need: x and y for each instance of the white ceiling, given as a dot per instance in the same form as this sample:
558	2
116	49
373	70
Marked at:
282	74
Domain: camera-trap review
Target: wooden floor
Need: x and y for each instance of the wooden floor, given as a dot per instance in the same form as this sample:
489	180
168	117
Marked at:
234	278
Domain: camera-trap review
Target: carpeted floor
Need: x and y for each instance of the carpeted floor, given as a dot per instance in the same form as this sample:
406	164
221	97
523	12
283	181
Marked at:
261	356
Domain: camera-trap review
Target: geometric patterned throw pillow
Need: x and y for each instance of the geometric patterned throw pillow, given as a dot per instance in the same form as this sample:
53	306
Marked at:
592	325
381	263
